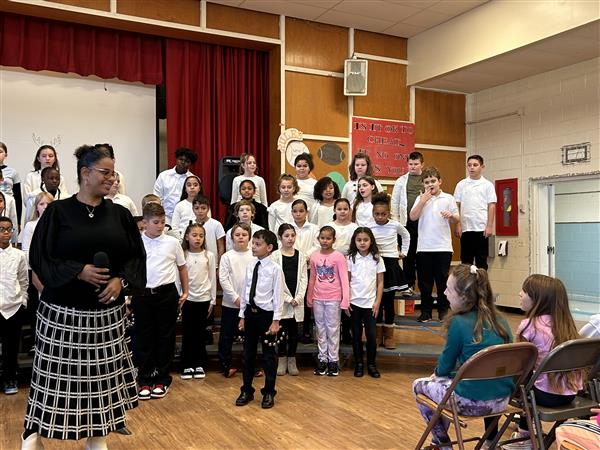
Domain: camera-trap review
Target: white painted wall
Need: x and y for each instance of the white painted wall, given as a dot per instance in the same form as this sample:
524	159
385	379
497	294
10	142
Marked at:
67	111
556	108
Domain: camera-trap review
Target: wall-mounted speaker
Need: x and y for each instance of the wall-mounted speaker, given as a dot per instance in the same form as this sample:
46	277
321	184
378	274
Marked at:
355	76
228	169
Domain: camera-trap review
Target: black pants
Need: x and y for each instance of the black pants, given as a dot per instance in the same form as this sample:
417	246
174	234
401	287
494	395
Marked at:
386	308
288	346
255	327
359	317
474	246
194	317
548	399
10	335
229	327
433	267
155	320
409	263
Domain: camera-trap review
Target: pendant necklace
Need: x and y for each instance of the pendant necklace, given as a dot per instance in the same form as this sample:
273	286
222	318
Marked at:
90	212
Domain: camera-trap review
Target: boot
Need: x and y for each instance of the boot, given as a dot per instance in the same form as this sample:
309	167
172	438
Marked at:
282	365
388	337
96	443
379	334
33	442
291	366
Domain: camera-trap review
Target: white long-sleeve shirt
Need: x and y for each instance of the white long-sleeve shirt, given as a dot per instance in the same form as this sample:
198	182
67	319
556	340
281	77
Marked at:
260	193
14	281
232	272
202	273
269	287
386	237
168	186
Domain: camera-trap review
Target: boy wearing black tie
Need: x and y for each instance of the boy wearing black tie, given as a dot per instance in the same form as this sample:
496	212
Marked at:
260	311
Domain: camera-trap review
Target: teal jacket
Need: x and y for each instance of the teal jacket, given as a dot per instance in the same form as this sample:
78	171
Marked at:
460	347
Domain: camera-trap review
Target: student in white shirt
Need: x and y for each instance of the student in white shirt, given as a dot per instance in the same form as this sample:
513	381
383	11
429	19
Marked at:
280	211
156	307
362	210
50	183
406	190
360	166
44	157
214	233
183	214
304	166
169	183
248	169
343	225
476	200
435	210
244	211
121	199
199	305
326	192
9	209
13	300
232	271
386	234
260	311
10	180
366	270
295	277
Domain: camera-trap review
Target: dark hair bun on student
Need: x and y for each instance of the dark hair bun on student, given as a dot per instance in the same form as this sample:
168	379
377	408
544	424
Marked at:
88	155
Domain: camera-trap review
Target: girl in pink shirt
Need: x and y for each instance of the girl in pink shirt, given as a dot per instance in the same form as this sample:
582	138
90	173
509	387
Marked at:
328	293
548	324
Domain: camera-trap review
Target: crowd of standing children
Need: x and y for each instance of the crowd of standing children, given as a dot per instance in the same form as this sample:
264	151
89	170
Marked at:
314	255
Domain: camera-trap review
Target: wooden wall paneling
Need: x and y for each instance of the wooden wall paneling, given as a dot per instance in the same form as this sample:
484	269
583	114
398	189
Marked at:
387	96
451	165
324	168
315	45
316	104
240	20
380	44
274	163
440	118
101	5
178	11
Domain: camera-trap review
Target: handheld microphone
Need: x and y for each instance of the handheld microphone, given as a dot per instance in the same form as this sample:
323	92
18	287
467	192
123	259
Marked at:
101	261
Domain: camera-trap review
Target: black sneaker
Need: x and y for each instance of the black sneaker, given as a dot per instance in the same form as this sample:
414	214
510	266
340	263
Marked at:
321	369
333	370
442	315
10	387
424	317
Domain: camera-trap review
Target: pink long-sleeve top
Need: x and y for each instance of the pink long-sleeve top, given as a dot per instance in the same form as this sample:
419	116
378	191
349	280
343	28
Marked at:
328	279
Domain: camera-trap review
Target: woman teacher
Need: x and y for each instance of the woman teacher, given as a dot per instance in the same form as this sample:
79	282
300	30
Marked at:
83	376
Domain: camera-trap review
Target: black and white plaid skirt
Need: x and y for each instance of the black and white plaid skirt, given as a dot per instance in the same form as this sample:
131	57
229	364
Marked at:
83	377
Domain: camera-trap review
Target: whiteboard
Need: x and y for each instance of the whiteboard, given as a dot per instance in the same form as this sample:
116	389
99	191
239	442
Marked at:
66	111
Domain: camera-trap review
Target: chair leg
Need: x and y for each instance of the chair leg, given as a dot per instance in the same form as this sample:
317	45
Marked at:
537	438
436	416
459	438
487	432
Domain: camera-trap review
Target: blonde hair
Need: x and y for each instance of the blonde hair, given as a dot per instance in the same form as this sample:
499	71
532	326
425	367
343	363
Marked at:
38	198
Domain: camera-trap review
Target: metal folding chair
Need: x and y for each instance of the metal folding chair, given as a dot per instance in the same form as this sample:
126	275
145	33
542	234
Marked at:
577	354
497	361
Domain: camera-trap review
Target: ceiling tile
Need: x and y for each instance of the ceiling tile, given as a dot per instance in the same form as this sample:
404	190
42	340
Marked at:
228	2
286	8
456	7
426	19
404	30
351	20
326	4
376	9
419	4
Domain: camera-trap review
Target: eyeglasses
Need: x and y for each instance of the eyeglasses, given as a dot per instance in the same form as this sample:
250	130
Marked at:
106	173
6	229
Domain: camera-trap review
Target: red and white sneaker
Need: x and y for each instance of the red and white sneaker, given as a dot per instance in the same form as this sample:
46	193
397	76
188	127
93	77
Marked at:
159	391
145	393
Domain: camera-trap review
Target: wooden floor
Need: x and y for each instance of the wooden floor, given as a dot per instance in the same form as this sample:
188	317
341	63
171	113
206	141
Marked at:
310	412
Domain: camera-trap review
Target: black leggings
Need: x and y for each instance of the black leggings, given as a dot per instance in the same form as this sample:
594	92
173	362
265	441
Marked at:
543	398
386	308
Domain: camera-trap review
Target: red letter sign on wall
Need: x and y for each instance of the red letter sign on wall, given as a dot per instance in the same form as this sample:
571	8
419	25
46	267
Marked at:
387	142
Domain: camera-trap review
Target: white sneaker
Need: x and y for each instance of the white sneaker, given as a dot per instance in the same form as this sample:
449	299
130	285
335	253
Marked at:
187	373
523	445
199	373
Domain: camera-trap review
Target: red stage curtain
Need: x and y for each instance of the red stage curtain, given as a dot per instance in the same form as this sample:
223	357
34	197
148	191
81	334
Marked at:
40	44
218	105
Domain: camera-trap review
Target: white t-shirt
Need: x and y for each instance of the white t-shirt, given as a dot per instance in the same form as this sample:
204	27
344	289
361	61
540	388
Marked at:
343	236
307	190
260	194
27	236
279	213
232	273
306	238
163	255
213	232
474	197
351	188
321	214
202	274
229	240
364	214
126	202
363	283
434	231
169	186
182	215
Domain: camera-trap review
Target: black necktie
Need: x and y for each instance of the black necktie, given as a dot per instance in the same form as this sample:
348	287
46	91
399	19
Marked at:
253	285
